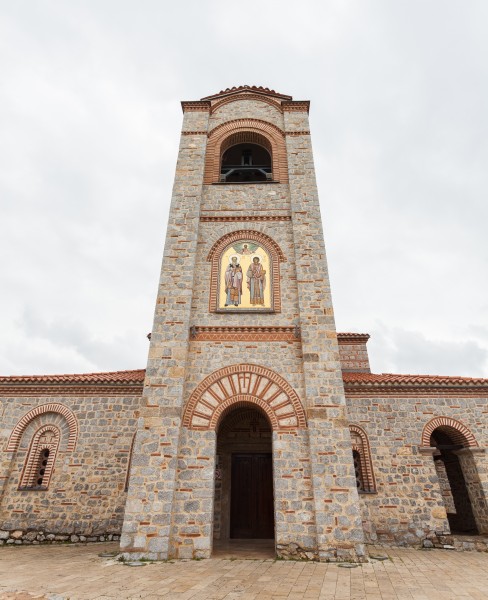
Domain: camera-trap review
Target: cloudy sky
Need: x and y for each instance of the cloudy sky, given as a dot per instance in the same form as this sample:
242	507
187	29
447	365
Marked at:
89	131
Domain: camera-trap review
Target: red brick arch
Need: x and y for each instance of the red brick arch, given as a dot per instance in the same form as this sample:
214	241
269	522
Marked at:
458	432
244	385
52	407
28	479
360	443
272	137
276	256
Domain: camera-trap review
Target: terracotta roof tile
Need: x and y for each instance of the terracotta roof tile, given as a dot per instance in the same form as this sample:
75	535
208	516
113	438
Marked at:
392	381
248	88
353	337
113	377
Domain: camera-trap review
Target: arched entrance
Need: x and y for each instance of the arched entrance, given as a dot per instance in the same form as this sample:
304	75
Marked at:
243	505
250	425
460	484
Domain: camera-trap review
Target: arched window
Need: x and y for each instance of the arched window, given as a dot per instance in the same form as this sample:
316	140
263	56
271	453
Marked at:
358	470
363	467
39	462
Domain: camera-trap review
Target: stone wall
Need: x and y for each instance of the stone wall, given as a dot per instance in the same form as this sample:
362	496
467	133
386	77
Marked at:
353	353
86	494
408	505
246	109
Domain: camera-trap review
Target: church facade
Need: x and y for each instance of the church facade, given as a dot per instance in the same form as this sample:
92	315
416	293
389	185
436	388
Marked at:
253	419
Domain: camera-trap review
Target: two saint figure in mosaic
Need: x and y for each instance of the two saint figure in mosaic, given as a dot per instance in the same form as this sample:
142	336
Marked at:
255	277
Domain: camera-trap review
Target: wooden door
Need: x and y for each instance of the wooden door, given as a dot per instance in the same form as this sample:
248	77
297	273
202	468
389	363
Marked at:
251	507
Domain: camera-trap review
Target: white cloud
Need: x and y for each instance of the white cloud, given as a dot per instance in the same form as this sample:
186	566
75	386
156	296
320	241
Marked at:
90	128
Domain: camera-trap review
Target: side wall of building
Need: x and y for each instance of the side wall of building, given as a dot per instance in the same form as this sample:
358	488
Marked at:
408	505
86	493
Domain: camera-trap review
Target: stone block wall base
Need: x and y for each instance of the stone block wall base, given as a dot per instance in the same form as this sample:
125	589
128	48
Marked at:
352	553
293	551
35	537
460	543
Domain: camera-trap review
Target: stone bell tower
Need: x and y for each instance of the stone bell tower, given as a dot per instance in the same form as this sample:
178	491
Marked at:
243	431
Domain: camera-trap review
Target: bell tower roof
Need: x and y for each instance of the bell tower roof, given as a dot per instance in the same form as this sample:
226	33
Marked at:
247	88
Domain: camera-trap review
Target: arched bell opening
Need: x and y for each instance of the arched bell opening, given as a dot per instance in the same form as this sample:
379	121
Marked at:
246	157
243	501
455	474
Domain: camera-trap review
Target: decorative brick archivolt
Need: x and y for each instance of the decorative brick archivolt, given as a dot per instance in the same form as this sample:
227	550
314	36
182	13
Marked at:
241	386
456	430
245	131
45	440
43	409
360	444
297	133
275	103
272	248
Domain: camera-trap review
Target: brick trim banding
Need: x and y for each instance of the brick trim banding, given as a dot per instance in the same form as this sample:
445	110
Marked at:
193	133
275	144
458	432
360	443
297	133
244	218
244	334
352	338
296	106
195	106
52	407
241	385
276	256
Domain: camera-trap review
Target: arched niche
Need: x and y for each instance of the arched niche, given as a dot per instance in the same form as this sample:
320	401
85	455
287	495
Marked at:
245	246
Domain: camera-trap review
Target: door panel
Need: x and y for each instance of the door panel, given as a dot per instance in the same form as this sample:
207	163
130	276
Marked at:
252	511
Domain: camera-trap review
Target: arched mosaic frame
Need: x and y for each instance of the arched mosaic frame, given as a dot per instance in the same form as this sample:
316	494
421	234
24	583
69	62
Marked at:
274	252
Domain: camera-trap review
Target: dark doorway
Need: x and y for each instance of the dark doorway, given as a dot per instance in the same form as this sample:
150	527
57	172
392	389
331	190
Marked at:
243	500
453	484
251	515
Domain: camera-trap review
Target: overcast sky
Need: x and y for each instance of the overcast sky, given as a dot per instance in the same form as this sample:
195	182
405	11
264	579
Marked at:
89	132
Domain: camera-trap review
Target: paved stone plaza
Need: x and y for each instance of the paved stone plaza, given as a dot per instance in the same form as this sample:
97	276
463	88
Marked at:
77	572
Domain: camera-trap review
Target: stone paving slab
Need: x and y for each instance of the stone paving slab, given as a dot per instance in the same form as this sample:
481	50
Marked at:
78	573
